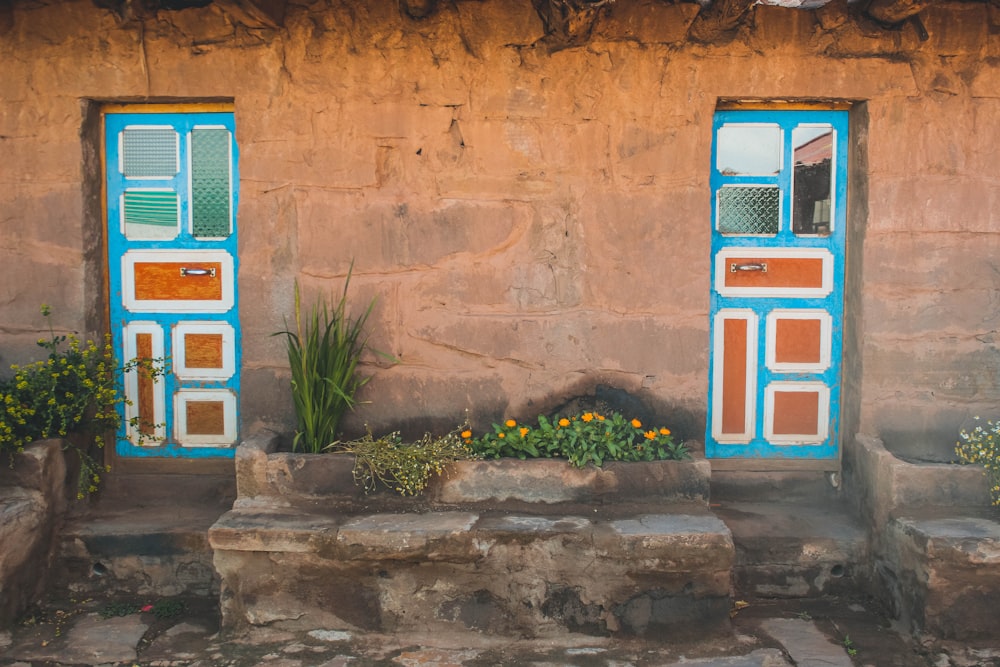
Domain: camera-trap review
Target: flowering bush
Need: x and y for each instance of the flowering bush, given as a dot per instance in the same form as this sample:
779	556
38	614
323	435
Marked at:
74	390
982	445
586	438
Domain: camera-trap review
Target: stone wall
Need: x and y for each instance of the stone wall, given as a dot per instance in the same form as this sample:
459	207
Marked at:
533	220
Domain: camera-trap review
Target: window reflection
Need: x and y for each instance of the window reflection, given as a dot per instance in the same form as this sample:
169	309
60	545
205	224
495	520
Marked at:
812	179
748	150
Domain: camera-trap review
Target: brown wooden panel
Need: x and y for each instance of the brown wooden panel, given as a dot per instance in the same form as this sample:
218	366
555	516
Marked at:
797	341
796	413
145	401
801	272
162	281
206	418
203	350
734	376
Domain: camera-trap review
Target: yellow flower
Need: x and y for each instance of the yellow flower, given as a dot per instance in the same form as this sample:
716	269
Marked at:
664	431
466	434
650	435
587	416
564	422
510	423
501	435
524	431
600	418
636	423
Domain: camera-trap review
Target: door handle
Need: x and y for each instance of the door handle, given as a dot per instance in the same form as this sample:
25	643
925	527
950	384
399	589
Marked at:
759	266
197	272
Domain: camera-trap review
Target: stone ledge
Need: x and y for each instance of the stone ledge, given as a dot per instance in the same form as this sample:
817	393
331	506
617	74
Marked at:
526	575
942	573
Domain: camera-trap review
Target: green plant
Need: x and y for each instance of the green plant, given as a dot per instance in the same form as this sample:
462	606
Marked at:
75	389
168	608
586	438
982	445
849	646
404	467
323	353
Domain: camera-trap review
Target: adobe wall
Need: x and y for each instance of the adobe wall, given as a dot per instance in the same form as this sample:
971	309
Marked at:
534	222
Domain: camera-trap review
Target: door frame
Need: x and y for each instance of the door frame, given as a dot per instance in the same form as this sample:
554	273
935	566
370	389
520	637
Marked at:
848	164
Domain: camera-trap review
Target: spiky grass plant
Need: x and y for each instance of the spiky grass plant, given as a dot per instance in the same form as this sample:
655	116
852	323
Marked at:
324	352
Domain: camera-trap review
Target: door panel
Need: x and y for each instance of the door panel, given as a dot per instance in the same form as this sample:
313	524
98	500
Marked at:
171	201
778	228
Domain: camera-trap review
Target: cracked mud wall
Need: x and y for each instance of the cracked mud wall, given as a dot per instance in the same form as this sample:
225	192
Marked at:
534	221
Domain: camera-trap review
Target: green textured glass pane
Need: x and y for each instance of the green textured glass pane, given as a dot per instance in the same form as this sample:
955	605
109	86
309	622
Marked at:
149	152
150	214
210	179
749	210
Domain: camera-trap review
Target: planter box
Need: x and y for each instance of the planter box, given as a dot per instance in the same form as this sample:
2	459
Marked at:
517	548
32	506
265	476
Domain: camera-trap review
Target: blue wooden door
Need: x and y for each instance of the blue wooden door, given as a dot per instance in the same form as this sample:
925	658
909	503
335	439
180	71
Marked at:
172	263
779	183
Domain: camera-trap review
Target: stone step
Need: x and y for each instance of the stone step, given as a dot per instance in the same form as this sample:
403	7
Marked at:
497	573
940	573
139	550
796	550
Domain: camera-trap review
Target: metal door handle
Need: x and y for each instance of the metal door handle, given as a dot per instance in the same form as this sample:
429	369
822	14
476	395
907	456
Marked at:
198	272
762	267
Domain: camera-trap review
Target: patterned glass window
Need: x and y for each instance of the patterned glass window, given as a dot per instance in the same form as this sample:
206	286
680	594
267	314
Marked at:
150	214
149	152
749	210
210	183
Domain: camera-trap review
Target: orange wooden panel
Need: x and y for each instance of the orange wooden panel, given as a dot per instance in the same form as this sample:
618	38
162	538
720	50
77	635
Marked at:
734	376
206	417
796	413
162	281
203	350
145	400
801	272
797	341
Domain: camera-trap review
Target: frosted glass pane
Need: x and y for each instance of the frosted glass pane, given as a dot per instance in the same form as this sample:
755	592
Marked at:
150	214
149	152
748	150
749	210
210	183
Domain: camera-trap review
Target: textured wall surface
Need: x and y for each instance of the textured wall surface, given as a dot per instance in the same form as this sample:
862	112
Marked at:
534	221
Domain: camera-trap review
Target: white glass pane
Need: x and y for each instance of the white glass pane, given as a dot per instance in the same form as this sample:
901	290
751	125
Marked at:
748	150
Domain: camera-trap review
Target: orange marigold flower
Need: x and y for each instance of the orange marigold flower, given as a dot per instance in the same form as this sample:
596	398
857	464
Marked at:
650	435
600	418
636	423
564	422
664	431
587	417
466	434
524	431
501	435
510	423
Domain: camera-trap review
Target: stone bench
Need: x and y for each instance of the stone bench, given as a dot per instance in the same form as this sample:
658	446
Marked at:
515	548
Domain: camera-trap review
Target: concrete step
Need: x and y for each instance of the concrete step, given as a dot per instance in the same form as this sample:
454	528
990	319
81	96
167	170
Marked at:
795	550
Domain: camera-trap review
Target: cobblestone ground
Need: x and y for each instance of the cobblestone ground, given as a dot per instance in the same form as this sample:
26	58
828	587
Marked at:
184	632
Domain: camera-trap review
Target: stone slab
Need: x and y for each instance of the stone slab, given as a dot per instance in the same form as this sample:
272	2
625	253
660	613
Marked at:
806	644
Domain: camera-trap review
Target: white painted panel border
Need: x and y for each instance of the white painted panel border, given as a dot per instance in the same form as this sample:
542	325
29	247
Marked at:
822	417
718	352
724	258
135	305
771	341
131	382
182	329
185	396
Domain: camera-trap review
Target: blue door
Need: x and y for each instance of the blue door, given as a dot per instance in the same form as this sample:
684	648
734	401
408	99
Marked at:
172	263
779	184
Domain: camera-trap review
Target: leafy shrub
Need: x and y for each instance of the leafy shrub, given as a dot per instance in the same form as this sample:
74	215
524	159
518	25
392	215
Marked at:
982	445
76	389
324	353
586	438
404	467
